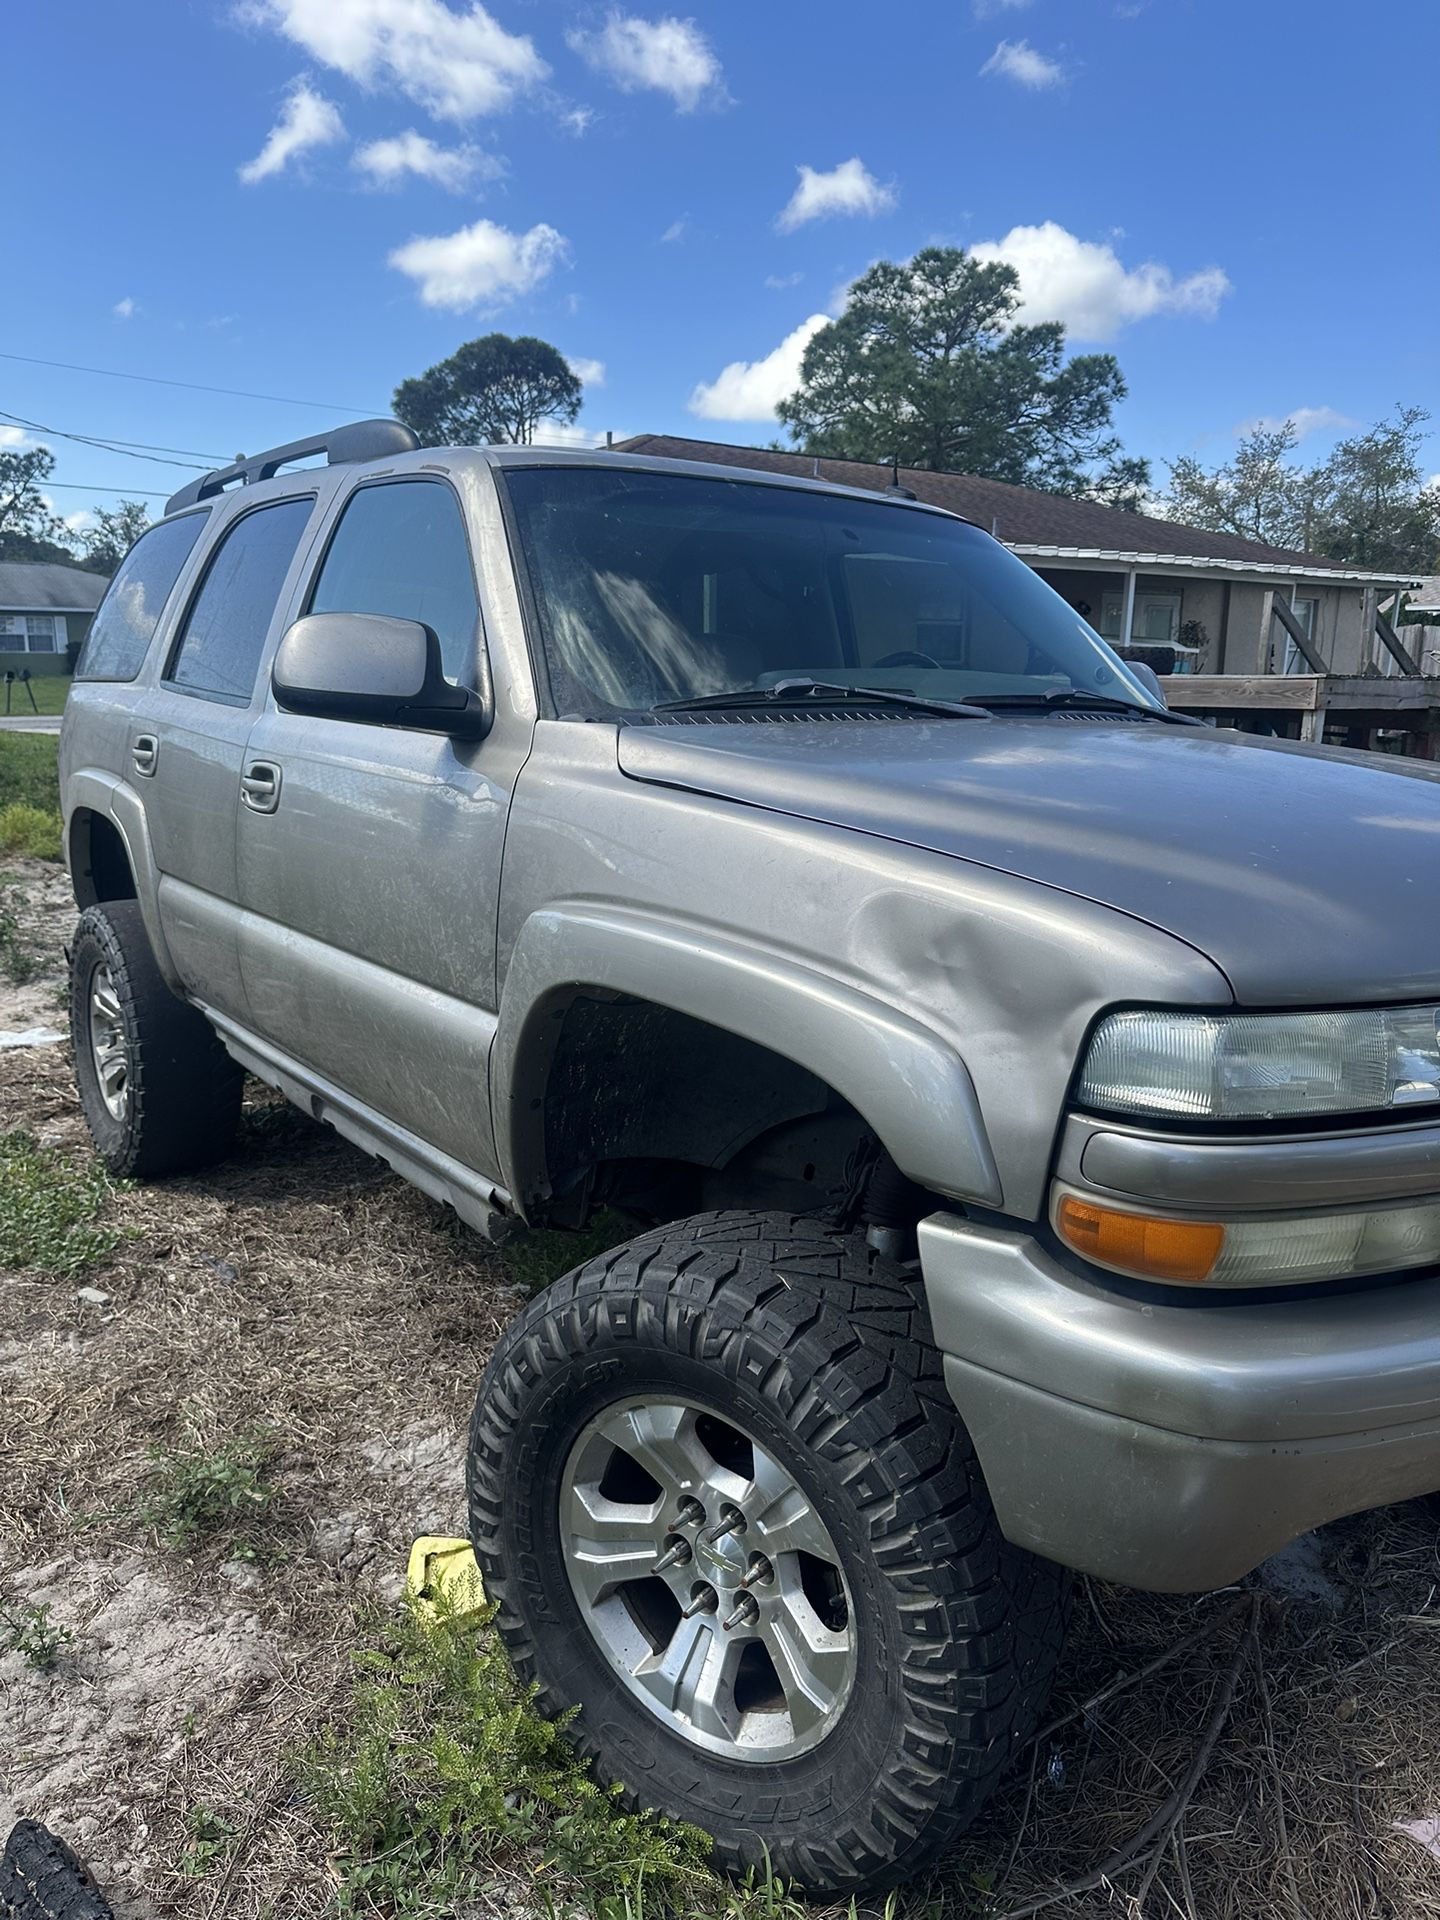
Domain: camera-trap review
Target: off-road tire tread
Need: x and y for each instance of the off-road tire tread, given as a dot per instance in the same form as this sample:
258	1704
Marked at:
41	1879
184	1088
838	1339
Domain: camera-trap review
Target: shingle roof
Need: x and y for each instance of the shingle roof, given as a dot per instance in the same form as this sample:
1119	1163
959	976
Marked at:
41	587
1020	516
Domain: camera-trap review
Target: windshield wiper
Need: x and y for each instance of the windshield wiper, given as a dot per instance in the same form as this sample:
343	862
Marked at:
801	693
1080	699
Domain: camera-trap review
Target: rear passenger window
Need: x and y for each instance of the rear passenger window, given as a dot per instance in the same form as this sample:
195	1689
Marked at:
229	618
121	632
401	549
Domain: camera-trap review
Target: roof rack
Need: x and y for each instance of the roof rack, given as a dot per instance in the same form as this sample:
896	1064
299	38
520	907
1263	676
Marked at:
362	440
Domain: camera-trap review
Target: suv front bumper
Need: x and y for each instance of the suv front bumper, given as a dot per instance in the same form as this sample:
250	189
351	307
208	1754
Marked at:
1174	1448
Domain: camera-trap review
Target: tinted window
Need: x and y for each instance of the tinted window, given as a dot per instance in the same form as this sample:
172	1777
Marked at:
122	630
401	549
230	616
654	587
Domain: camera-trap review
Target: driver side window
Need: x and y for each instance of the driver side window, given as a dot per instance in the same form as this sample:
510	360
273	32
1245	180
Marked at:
401	549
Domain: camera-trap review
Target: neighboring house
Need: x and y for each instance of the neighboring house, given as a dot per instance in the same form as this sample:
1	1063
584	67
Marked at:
1228	610
44	610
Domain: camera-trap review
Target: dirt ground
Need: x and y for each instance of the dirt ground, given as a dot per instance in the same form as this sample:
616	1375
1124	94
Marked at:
303	1290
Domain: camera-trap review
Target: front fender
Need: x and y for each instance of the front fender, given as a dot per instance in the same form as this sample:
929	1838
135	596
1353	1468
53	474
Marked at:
909	1084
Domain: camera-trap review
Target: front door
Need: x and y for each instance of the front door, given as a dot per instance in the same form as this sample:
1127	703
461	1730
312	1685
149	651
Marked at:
189	741
371	883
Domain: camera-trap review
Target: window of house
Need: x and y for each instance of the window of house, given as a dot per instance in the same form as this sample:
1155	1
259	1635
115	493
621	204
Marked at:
121	632
1306	614
1156	621
401	549
224	632
31	633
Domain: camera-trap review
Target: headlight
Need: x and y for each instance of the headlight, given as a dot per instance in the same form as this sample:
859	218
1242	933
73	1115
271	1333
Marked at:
1263	1066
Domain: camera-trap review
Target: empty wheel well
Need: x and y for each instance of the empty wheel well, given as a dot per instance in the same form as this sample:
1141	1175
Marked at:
99	864
660	1113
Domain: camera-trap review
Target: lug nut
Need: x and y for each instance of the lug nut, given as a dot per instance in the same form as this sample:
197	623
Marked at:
731	1521
703	1600
759	1573
689	1514
746	1612
678	1556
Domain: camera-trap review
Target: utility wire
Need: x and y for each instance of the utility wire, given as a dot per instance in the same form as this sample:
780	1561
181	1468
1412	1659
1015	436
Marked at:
80	486
111	441
126	447
192	386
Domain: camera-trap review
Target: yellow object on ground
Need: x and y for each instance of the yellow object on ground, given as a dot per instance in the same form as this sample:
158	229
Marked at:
444	1579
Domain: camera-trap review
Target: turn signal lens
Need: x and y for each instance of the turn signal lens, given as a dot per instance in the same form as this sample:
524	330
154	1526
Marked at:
1174	1250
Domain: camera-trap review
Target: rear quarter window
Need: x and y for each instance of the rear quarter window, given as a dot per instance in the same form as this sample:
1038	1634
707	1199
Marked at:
121	632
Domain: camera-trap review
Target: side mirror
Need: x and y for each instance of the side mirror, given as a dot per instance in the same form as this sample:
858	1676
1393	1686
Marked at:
1142	671
368	666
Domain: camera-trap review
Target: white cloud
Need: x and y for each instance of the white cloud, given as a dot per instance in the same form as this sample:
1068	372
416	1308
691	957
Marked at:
777	282
307	120
1085	284
1018	60
483	265
751	389
124	309
456	65
15	439
849	189
675	231
388	161
590	373
1304	420
668	56
987	9
577	120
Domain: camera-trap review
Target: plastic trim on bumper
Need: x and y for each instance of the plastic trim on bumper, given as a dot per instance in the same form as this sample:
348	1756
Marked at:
1175	1447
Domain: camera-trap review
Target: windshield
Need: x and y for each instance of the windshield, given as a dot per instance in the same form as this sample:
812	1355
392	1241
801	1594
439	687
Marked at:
654	588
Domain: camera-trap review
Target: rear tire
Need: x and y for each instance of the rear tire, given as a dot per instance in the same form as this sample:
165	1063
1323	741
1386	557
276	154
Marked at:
159	1092
674	1354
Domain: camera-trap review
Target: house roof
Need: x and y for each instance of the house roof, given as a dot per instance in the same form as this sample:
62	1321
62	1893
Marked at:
42	587
1040	525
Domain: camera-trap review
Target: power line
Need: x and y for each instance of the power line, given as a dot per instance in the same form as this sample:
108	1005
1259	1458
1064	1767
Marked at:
127	447
81	486
190	386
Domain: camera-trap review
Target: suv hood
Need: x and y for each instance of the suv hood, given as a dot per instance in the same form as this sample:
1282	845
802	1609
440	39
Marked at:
1309	875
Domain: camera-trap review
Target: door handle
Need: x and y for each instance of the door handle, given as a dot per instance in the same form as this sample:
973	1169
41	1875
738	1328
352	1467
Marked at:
145	752
260	786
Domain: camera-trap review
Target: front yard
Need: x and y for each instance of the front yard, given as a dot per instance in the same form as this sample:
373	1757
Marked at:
232	1401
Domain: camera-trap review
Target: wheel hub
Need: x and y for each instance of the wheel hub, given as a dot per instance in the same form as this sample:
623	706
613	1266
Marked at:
108	1049
707	1579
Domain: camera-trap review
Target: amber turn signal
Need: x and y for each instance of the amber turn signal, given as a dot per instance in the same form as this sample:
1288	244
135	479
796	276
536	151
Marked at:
1136	1243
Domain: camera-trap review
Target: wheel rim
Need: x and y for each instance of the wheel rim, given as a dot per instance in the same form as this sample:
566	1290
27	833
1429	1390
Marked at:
739	1637
108	1049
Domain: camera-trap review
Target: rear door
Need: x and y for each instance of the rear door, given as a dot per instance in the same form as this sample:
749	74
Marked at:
372	883
193	733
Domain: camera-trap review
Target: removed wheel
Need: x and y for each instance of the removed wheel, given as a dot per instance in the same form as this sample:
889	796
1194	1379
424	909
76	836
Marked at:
730	1517
159	1092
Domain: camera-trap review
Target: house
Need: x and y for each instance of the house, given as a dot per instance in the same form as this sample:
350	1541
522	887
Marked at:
1280	642
45	612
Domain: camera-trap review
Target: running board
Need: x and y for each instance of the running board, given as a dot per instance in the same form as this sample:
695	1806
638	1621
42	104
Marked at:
480	1203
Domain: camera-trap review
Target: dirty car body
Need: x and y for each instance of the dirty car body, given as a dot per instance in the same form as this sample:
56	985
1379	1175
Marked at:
708	908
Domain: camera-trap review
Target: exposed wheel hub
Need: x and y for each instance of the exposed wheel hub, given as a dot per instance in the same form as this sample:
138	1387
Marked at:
707	1578
108	1049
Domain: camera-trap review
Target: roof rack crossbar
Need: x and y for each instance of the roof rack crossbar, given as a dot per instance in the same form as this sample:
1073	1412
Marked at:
360	440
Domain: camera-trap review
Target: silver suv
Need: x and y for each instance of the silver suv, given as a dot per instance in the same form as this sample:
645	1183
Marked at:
1027	1101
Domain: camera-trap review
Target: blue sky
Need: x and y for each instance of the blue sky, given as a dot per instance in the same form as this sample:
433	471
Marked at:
312	199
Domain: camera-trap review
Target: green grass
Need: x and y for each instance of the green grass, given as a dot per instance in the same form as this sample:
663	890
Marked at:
200	1493
535	1257
442	1782
49	689
50	1209
30	1632
29	795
